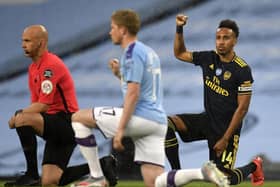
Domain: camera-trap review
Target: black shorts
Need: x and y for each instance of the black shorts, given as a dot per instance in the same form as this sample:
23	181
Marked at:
198	129
60	139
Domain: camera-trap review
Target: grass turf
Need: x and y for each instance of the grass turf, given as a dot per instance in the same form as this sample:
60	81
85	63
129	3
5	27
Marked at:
199	184
193	184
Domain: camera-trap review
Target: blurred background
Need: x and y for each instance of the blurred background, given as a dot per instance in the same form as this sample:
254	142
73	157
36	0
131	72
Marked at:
79	33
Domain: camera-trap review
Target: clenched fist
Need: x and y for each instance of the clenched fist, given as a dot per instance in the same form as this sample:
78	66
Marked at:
181	20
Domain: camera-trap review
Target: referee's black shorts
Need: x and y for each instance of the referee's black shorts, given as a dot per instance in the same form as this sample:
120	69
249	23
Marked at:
60	139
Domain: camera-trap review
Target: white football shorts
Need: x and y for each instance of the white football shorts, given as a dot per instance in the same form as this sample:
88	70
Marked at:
148	136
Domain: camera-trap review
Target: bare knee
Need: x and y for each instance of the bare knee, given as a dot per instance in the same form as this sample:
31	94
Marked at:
75	116
35	120
21	120
178	123
28	119
48	181
51	175
84	116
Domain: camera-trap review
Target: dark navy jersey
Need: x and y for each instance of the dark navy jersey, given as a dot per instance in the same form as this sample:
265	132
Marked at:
223	82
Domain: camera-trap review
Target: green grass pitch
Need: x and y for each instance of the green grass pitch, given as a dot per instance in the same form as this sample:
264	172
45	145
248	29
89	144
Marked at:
199	184
193	184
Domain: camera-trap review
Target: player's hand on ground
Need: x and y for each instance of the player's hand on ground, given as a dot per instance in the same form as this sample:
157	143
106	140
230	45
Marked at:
117	141
220	146
114	65
181	19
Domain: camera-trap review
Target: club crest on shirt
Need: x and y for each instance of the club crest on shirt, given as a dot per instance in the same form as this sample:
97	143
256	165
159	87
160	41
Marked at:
46	86
218	71
227	75
48	73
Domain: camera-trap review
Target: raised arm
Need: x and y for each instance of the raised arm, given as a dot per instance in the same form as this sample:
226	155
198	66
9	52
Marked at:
180	50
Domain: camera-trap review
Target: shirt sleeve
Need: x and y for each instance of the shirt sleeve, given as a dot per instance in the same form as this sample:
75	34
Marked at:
50	77
200	58
134	68
245	81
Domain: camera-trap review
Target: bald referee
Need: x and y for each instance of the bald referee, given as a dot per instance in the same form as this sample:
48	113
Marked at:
53	100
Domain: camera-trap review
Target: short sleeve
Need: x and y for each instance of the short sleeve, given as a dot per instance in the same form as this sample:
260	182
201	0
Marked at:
202	57
134	68
245	81
50	76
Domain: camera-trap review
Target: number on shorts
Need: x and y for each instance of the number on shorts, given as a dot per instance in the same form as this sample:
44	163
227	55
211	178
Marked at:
108	111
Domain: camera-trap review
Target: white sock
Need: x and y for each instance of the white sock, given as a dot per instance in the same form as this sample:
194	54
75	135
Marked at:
178	177
185	176
88	148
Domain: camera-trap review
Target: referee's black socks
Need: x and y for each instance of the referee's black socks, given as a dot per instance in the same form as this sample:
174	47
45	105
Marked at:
73	173
28	142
